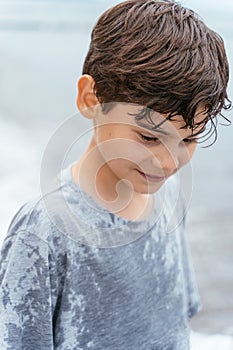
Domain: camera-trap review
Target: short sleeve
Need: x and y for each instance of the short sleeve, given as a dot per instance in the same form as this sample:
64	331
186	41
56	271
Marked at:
25	293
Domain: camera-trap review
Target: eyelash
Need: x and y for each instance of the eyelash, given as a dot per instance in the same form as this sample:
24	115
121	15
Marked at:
193	140
149	139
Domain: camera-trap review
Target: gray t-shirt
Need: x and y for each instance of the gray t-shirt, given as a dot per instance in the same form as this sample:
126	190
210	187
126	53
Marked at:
74	276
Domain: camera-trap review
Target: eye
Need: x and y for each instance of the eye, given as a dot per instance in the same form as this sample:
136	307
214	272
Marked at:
148	139
190	140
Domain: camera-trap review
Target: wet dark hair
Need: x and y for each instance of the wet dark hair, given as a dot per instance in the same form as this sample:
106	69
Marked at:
160	55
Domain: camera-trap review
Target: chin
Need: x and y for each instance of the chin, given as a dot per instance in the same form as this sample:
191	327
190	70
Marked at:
148	189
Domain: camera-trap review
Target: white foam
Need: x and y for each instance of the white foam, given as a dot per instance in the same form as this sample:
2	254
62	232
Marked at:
201	341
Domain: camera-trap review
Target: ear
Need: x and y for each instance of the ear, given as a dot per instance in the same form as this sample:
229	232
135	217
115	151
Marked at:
86	100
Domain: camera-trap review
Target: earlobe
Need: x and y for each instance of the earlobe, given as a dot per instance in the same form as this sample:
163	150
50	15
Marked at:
86	99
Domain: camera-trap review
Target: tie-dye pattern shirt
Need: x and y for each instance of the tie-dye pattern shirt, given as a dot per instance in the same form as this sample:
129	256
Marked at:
74	276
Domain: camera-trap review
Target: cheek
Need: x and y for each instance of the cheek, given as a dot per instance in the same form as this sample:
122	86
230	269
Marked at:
122	149
192	149
187	153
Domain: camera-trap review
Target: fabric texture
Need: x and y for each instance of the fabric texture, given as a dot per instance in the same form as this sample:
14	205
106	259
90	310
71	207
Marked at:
74	276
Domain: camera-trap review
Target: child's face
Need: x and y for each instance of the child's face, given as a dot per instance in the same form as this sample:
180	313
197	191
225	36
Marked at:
134	152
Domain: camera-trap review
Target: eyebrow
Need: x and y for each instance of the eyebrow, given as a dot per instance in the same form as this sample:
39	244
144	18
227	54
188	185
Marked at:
156	128
159	129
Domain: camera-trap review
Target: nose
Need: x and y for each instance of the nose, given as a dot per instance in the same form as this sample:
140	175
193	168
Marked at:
167	161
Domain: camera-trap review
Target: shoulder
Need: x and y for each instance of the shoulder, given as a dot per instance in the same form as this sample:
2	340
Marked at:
45	215
35	242
62	216
31	217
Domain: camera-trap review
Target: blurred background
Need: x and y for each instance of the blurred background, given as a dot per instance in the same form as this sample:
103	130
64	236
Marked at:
42	47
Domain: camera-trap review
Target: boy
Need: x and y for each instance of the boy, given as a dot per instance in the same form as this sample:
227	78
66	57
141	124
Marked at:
90	265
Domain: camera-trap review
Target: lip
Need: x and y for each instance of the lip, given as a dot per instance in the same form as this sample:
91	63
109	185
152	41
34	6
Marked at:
152	178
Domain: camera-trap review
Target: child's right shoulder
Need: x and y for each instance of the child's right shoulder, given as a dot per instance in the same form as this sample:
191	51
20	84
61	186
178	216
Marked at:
42	216
31	217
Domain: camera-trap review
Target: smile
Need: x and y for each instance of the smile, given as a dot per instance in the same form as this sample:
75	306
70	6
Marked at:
152	178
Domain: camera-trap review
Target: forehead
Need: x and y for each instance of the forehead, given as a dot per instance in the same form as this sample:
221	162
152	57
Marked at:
126	113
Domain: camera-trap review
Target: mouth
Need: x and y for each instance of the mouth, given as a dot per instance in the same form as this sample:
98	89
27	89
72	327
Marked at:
152	178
